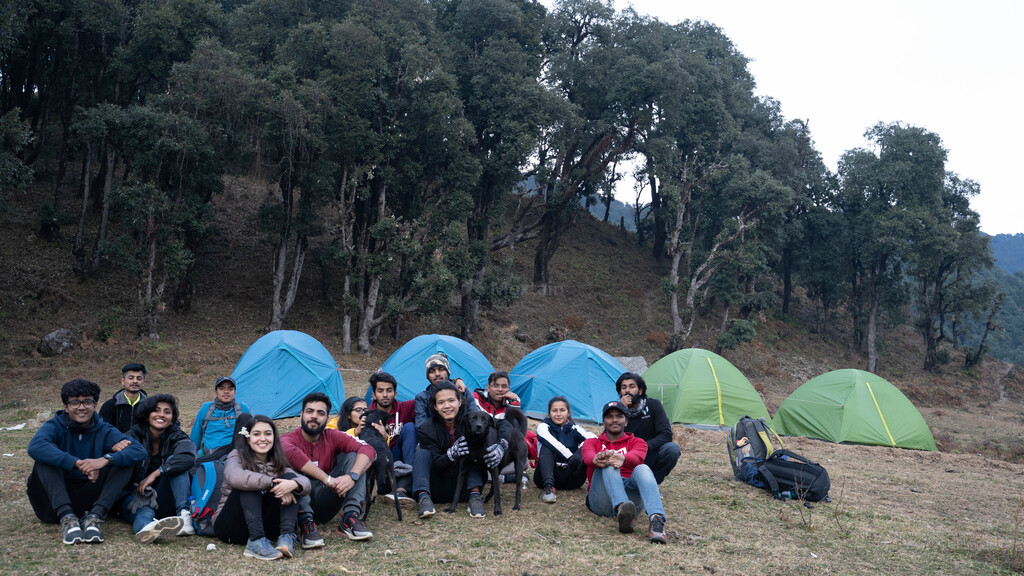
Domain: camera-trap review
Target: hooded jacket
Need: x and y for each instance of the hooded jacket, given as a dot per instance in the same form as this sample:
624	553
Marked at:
632	447
176	454
119	413
60	442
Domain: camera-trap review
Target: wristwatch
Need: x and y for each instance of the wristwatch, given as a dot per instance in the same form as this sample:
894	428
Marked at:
109	457
354	475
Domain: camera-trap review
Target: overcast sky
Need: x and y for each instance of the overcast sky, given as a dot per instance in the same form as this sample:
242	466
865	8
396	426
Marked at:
955	68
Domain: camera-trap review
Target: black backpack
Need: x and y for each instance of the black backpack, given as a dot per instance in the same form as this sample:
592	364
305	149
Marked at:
788	475
758	433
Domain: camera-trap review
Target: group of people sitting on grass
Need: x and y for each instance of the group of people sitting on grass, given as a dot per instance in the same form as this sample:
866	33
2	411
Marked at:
134	459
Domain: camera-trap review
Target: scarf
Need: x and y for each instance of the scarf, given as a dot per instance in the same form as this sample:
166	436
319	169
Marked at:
638	408
226	406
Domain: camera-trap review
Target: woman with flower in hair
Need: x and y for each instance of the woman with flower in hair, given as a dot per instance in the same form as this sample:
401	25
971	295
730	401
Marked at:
259	496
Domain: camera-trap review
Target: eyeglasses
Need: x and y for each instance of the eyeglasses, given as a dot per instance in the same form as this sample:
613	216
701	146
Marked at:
359	410
88	403
499	386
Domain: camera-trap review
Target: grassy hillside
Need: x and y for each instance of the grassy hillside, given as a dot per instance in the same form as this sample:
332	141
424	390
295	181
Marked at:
955	512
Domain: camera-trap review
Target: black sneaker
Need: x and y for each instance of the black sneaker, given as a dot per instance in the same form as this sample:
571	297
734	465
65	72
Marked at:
626	514
476	506
91	529
353	529
70	530
657	531
309	536
426	506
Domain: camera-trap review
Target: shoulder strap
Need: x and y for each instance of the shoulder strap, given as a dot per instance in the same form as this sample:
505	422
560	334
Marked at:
209	414
773	484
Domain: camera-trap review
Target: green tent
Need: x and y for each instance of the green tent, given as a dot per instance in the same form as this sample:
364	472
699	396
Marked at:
856	407
702	388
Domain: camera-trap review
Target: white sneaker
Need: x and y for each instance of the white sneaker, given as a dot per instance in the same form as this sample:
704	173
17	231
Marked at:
187	529
158	528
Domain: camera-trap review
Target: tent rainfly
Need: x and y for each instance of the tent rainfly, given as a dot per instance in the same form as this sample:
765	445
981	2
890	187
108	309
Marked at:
855	407
585	375
280	368
701	388
408	364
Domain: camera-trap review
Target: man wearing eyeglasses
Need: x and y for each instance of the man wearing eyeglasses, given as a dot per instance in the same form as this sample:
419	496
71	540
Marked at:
82	464
497	395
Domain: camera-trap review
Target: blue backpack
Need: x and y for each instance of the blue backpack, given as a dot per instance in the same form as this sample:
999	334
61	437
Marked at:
205	494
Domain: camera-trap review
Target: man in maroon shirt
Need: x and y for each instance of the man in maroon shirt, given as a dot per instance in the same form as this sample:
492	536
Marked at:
400	429
335	463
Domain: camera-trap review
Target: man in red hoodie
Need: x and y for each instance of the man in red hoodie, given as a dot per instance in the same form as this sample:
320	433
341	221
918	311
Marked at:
400	430
618	481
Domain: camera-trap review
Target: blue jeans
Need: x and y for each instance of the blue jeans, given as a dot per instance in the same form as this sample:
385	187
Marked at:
608	489
178	487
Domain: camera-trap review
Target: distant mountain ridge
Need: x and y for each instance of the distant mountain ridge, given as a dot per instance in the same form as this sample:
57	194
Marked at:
1008	250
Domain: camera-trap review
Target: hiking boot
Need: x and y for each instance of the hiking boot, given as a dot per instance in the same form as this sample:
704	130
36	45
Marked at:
187	529
426	506
286	544
261	549
91	529
70	530
158	529
549	496
625	515
310	536
404	499
657	531
353	529
476	506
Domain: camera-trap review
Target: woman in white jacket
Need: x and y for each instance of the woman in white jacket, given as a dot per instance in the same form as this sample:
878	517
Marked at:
259	495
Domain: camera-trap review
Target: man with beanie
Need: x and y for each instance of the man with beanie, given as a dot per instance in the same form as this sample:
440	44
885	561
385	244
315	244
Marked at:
82	465
648	421
119	411
619	483
437	371
215	421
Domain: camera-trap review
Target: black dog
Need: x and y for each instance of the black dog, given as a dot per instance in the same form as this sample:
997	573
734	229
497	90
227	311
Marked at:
482	431
383	466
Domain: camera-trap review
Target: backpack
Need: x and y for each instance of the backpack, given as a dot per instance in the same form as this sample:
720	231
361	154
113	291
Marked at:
756	430
788	475
209	416
205	494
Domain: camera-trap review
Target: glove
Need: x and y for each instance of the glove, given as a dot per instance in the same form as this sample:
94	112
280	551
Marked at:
494	453
402	469
459	449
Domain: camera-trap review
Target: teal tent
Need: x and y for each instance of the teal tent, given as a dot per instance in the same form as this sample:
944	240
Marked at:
279	369
585	375
701	388
408	364
856	407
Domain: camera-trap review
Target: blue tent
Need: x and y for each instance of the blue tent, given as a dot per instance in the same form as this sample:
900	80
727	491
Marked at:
279	369
585	375
408	363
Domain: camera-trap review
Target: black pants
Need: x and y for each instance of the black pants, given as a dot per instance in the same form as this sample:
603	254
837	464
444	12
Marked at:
561	478
254	515
54	493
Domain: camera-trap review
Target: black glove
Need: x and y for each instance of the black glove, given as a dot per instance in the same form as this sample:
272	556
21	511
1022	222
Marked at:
494	453
459	449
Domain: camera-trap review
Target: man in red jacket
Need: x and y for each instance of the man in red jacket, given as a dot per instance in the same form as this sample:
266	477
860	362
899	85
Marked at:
400	429
619	481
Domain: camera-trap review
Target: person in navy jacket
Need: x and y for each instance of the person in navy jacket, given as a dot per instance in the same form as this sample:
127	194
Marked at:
82	464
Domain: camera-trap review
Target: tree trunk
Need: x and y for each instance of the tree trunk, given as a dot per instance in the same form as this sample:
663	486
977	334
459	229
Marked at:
872	330
658	211
79	249
471	305
108	186
547	244
346	319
